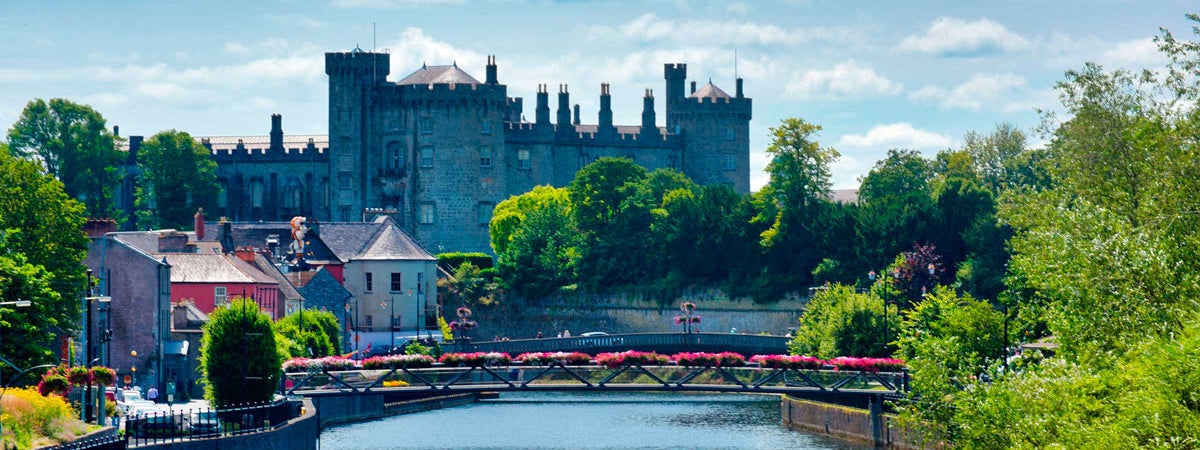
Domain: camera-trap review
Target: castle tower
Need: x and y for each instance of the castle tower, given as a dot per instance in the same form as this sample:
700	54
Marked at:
353	79
715	128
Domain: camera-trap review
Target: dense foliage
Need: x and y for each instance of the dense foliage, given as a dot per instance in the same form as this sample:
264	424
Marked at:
841	322
238	355
311	333
178	177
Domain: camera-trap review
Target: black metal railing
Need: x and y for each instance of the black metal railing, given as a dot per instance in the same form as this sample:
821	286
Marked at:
184	424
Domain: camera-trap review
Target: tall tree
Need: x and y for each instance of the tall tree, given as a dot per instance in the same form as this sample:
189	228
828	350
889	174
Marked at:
896	207
178	177
535	242
74	145
39	221
238	355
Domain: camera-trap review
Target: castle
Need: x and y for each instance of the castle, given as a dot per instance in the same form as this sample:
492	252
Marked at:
438	149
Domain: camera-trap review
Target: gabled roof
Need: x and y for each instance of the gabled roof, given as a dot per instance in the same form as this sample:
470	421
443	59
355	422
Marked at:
323	287
210	268
709	90
286	289
439	75
255	235
378	240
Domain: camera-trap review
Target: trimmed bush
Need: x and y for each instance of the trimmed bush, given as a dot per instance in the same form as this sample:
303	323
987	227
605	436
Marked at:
455	259
239	341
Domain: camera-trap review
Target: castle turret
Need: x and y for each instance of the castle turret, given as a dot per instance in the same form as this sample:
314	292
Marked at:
606	115
543	106
648	118
276	132
676	75
491	70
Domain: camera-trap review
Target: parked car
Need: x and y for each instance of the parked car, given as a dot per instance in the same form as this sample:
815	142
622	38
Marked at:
594	333
154	424
205	423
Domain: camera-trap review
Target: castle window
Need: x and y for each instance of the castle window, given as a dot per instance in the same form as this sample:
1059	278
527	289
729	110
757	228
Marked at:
395	155
486	128
426	156
256	194
729	133
485	156
425	213
484	213
426	125
223	196
728	162
344	179
523	159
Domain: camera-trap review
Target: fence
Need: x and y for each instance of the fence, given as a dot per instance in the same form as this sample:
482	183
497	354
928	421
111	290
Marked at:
204	423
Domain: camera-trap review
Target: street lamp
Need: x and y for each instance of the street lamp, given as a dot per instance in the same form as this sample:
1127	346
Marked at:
105	336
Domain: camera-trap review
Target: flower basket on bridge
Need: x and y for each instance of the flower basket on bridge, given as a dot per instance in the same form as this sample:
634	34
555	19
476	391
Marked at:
565	358
867	364
333	363
795	362
631	358
698	359
398	361
475	359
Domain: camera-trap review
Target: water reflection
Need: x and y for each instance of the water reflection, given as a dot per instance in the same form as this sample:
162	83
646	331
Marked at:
587	421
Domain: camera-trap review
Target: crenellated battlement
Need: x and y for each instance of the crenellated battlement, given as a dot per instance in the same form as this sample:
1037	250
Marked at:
489	94
531	133
243	154
358	62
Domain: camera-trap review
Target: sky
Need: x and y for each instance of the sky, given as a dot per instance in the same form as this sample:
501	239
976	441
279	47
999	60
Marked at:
874	75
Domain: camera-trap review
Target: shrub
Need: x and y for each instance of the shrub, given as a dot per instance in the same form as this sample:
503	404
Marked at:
723	359
238	355
631	358
455	259
867	364
30	419
839	321
475	359
397	361
795	362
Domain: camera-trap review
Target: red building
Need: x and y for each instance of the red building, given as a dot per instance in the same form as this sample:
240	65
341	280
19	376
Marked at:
211	280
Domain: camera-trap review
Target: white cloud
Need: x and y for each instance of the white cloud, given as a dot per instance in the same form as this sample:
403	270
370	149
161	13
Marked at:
896	135
948	36
738	8
847	79
389	4
974	94
415	47
1134	54
651	28
237	48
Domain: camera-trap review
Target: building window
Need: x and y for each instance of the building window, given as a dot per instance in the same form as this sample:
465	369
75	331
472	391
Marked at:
523	159
426	125
485	156
344	212
426	213
395	154
369	278
220	296
426	156
728	162
397	286
256	193
729	133
486	128
344	179
369	321
420	282
484	214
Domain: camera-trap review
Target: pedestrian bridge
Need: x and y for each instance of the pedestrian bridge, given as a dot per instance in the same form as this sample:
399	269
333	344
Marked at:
664	343
845	387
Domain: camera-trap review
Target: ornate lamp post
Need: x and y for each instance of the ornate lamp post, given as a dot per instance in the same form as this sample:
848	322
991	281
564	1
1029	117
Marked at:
687	319
462	325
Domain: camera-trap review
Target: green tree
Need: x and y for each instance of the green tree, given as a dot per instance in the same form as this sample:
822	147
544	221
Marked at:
238	355
178	177
536	245
314	330
39	221
896	207
841	322
27	331
74	145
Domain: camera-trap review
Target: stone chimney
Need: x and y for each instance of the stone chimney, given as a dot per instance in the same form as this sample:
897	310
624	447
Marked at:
198	224
276	132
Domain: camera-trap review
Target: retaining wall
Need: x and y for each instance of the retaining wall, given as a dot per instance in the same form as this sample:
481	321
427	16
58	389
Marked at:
844	422
300	433
344	408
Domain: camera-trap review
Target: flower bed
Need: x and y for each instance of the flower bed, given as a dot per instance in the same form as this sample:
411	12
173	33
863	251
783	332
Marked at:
475	359
298	365
630	358
397	361
787	362
867	364
723	359
566	358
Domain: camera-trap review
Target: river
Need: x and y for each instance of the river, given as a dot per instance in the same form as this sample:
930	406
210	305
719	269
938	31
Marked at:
587	421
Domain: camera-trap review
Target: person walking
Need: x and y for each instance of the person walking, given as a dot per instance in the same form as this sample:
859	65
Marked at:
152	394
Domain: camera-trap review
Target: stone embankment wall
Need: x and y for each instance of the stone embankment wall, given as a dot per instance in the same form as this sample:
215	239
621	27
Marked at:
622	314
854	424
345	408
300	433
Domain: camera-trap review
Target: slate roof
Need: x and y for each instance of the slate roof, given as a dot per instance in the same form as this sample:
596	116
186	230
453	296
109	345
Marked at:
378	240
141	240
255	235
709	90
210	268
847	196
286	289
323	288
622	129
439	75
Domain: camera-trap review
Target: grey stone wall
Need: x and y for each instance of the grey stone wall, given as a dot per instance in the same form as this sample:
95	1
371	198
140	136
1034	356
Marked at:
128	276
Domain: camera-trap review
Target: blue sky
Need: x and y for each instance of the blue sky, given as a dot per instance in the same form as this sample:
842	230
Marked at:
876	75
